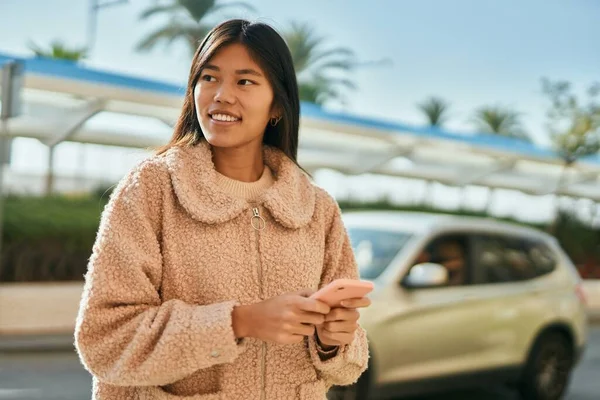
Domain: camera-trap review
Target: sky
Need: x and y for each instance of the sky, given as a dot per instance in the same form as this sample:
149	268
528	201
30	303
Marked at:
469	52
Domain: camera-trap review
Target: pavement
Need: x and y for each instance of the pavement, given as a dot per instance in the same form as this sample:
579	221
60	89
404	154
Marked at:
52	371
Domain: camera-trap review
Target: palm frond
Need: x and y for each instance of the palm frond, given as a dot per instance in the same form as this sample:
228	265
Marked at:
233	4
159	9
166	34
197	9
333	65
303	44
435	110
195	35
500	121
342	55
59	50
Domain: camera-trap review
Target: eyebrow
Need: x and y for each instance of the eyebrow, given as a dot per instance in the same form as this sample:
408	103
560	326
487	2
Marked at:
247	71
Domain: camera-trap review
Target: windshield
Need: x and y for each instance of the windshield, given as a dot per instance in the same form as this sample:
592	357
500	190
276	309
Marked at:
374	249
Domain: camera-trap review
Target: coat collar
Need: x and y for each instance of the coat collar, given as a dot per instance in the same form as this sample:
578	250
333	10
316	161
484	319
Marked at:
291	199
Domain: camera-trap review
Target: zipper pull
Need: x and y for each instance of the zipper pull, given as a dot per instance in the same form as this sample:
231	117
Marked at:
257	221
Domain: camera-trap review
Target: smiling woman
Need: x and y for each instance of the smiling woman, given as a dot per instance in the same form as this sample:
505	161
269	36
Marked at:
208	252
242	92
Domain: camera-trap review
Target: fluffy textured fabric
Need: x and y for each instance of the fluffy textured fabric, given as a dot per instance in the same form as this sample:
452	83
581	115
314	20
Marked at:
175	253
250	191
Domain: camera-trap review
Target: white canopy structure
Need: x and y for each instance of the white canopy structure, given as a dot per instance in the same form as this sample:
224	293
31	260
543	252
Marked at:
60	96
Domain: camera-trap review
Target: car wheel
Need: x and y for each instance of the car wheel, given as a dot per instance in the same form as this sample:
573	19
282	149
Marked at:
548	370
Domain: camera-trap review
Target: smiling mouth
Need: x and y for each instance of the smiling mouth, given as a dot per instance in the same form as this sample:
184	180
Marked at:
223	118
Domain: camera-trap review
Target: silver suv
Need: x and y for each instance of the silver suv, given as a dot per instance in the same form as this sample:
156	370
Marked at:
460	301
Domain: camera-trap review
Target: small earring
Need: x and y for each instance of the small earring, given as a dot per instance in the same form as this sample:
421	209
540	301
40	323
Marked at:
275	121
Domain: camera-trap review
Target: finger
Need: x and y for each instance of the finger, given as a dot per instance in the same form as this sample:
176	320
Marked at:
311	318
326	337
303	329
335	338
357	303
342	314
312	305
344	338
291	339
340	326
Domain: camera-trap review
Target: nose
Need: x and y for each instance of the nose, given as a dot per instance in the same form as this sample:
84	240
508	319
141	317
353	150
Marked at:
224	94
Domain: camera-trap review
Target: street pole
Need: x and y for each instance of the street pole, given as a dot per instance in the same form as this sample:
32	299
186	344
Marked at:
96	5
12	80
3	151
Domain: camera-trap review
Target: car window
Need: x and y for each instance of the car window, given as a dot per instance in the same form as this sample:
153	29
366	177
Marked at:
504	259
374	249
452	252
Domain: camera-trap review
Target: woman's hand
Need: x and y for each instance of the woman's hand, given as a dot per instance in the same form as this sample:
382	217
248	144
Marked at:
284	319
341	324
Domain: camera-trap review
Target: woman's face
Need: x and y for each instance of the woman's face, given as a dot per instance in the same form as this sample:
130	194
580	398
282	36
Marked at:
233	98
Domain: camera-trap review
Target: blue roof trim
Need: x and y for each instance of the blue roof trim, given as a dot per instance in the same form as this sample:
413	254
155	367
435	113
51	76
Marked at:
71	70
484	140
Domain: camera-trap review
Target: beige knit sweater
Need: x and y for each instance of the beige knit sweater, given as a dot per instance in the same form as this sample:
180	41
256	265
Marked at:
175	253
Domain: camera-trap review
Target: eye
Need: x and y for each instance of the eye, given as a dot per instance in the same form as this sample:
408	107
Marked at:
246	82
208	78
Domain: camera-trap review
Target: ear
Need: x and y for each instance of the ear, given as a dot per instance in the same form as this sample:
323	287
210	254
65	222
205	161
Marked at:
276	111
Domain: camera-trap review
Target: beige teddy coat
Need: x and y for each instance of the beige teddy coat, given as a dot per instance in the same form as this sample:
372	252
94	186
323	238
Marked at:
174	254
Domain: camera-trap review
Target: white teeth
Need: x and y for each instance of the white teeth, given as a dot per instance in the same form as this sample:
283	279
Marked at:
223	117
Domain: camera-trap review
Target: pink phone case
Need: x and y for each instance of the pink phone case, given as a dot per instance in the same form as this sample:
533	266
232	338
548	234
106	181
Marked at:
342	289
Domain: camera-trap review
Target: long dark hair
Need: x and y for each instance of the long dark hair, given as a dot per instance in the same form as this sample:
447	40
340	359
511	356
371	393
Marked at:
270	52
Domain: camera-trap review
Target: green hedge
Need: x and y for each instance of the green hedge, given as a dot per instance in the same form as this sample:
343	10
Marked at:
50	239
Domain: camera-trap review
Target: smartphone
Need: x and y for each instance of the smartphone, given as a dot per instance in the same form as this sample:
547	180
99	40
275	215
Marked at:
342	289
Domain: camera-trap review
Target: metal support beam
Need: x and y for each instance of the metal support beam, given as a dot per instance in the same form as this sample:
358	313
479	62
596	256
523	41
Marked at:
397	151
469	177
75	120
168	122
582	177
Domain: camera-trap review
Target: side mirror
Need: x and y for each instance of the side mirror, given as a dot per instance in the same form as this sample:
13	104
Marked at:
426	275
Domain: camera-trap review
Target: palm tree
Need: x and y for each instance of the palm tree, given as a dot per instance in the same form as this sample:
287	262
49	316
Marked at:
435	110
320	70
185	21
59	50
500	121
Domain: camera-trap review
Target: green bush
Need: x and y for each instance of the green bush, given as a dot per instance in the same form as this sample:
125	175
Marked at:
48	239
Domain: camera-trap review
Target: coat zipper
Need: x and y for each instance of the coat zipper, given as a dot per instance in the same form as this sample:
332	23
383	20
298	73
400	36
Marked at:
258	223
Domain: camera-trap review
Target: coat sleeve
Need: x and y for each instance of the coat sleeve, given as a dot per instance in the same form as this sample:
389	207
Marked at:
125	335
351	360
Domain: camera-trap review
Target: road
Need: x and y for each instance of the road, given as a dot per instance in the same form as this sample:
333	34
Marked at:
59	376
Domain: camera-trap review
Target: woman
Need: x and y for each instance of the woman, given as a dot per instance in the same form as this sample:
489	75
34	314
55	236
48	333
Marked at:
198	286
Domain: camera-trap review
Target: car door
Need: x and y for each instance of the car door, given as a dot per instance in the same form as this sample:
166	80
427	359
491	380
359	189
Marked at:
429	332
508	273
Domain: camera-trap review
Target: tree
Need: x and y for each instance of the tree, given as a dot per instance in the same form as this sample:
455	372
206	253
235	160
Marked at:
186	21
500	121
435	110
321	71
59	50
574	127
